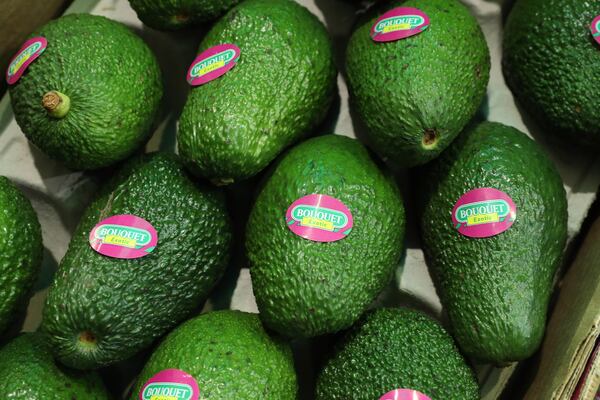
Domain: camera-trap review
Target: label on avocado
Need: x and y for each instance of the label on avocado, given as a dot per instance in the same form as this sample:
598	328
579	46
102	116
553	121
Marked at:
124	236
319	218
170	384
483	212
28	53
596	28
404	394
213	63
399	23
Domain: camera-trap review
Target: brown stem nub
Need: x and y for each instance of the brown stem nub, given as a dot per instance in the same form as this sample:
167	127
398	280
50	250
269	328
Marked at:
56	104
430	138
180	18
87	338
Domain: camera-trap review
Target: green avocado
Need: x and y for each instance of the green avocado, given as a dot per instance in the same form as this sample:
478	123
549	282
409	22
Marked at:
281	87
101	310
29	372
230	356
495	289
179	14
305	288
392	349
552	64
21	251
416	94
92	96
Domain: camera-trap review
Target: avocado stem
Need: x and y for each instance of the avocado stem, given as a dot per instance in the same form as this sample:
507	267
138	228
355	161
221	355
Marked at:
87	338
56	104
430	138
222	181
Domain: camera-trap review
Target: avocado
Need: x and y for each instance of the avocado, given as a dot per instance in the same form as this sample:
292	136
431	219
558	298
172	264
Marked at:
495	289
92	96
100	309
281	87
21	251
416	94
179	14
396	348
306	288
552	64
230	356
29	372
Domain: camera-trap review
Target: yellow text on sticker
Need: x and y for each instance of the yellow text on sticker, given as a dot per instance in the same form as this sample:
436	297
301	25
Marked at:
482	219
317	223
397	27
163	397
121	241
211	67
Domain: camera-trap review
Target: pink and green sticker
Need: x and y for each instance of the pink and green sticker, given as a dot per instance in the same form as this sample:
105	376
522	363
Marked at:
483	212
213	63
124	236
596	29
399	23
28	53
319	218
170	384
404	394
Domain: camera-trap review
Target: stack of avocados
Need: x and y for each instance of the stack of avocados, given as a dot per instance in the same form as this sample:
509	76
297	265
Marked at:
326	229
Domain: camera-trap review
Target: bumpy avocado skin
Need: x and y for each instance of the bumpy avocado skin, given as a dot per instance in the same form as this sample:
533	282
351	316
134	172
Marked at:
29	372
305	288
392	349
281	87
496	289
415	95
230	355
179	14
21	250
126	304
112	80
552	64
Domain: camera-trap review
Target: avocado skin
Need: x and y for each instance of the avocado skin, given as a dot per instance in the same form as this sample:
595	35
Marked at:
179	14
230	355
127	304
305	288
29	372
114	85
21	251
394	348
496	289
233	127
552	64
429	83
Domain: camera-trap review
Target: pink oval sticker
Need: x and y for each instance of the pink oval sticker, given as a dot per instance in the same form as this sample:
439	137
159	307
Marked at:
28	53
319	218
399	23
124	236
596	29
404	394
483	212
213	63
170	384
